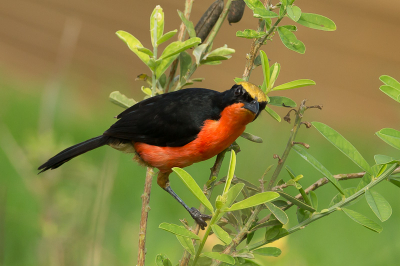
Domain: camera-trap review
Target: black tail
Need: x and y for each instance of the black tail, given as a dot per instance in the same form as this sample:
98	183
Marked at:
73	151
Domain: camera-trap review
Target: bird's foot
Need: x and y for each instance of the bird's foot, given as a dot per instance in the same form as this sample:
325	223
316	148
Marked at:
199	217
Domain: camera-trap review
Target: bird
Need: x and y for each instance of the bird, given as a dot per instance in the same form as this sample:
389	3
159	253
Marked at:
177	129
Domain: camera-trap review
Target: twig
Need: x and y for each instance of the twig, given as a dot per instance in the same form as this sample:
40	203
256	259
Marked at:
144	215
181	36
332	209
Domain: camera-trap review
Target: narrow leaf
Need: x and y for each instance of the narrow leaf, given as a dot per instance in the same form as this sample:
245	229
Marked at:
264	13
294	84
268	251
162	260
178	47
274	73
121	100
178	230
281	101
166	37
193	187
317	22
391	92
383	159
296	201
254	201
218	256
198	51
314	199
145	50
290	41
186	243
156	25
395	180
294	12
388	80
231	171
251	137
364	221
343	145
133	44
188	24
222	51
273	114
318	166
378	204
253	4
390	136
185	62
290	27
278	213
265	67
221	234
250	34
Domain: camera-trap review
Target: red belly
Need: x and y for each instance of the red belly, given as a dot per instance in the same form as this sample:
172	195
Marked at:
214	137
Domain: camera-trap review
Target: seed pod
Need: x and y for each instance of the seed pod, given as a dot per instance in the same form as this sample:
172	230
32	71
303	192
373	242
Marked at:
236	11
208	20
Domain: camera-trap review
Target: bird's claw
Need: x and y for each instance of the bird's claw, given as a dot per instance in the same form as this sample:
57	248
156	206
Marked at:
199	217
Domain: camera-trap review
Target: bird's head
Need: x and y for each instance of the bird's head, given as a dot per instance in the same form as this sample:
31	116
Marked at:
250	95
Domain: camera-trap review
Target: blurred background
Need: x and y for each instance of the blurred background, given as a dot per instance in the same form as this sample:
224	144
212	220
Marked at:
59	61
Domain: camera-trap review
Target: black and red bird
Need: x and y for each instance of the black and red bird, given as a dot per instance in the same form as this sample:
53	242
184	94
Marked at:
177	129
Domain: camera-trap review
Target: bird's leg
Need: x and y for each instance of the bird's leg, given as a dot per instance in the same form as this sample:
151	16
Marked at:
163	182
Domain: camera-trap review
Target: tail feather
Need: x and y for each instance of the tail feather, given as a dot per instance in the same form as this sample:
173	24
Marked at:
72	152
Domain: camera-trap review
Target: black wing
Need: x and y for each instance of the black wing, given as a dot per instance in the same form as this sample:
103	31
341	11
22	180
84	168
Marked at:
173	119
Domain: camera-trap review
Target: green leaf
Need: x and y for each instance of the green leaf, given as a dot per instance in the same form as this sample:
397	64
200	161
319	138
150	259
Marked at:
265	67
253	4
281	101
166	37
290	27
272	232
391	92
146	91
133	44
296	201
221	257
388	80
250	34
211	59
378	204
186	243
318	166
193	187
251	137
145	50
255	200
364	221
395	180
178	230
390	136
222	51
231	171
317	22
383	159
343	145
188	24
121	100
198	51
264	13
314	199
171	52
294	84
185	62
268	251
156	25
221	234
365	180
302	215
237	80
278	213
347	193
274	73
273	114
178	47
293	12
290	41
162	260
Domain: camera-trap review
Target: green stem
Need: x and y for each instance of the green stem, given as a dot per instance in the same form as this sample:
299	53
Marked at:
336	207
203	241
153	73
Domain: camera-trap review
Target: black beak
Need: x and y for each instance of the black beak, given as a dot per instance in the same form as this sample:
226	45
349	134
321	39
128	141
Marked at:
253	106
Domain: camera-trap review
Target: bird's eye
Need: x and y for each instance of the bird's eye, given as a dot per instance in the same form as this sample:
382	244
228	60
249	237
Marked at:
238	91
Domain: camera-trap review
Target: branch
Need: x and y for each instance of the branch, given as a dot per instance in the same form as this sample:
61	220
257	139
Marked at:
181	36
144	215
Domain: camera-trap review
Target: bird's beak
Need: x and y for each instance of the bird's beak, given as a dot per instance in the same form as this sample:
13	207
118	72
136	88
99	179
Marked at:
253	106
